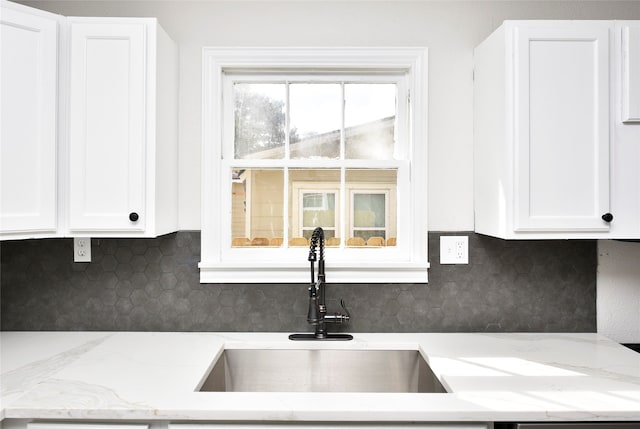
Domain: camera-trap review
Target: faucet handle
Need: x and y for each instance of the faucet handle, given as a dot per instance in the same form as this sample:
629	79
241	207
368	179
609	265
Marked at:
338	317
346	311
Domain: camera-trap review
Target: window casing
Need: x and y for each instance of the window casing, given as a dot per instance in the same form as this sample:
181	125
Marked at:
405	262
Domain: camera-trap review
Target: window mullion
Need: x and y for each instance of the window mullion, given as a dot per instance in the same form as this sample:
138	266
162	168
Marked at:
287	121
342	122
285	185
344	228
317	163
285	208
386	214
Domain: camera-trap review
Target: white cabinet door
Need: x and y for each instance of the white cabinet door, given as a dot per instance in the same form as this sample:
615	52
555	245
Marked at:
631	72
28	117
561	84
107	127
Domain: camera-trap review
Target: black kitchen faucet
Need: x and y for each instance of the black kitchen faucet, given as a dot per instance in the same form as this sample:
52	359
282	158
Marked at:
317	315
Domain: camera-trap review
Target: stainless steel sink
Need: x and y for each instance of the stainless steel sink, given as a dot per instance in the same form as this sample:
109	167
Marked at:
243	370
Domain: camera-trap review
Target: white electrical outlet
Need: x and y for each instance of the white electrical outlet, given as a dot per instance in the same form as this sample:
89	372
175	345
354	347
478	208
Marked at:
82	249
454	249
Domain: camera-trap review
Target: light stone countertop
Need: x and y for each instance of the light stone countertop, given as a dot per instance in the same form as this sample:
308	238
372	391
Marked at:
153	376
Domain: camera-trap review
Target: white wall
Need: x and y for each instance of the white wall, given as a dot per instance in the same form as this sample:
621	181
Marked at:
450	29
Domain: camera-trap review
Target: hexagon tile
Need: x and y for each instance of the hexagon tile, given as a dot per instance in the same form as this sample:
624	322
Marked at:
153	285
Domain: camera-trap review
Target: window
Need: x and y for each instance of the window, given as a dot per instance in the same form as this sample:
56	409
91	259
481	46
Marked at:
318	208
369	215
294	139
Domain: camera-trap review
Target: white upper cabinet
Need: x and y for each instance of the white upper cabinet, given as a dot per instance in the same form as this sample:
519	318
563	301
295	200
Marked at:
107	132
561	115
89	126
122	128
625	126
630	62
543	147
28	141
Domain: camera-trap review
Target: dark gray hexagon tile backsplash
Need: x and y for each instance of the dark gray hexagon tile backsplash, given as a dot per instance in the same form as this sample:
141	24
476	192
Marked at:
153	285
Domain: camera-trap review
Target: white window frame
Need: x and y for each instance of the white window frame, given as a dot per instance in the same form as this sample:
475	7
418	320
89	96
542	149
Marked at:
405	263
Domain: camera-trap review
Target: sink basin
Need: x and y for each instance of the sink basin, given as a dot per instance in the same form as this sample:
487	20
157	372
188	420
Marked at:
262	370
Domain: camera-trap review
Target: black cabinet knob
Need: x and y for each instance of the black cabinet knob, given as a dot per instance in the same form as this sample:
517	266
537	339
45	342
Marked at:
607	217
133	216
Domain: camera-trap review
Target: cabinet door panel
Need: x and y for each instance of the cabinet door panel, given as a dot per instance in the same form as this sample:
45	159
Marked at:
562	129
631	73
107	131
28	118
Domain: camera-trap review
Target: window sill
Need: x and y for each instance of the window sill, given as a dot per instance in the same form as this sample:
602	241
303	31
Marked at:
336	273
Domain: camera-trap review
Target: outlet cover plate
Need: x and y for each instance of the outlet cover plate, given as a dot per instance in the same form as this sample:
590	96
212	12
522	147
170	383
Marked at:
454	249
81	249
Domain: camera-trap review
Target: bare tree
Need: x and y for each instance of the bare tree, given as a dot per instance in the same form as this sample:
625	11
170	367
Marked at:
260	123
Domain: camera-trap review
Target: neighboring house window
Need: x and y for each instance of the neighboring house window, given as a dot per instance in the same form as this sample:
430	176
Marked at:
297	138
318	208
370	216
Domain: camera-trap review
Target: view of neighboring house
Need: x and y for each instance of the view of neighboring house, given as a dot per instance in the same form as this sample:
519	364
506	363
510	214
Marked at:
369	199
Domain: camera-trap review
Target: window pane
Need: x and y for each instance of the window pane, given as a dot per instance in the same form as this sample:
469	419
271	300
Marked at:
328	233
316	120
314	198
370	114
369	236
256	209
373	206
369	210
320	212
259	120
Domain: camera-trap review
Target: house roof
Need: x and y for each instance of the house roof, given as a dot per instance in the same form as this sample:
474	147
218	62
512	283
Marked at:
371	140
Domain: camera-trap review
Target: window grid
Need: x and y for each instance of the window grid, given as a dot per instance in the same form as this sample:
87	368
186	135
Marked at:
287	162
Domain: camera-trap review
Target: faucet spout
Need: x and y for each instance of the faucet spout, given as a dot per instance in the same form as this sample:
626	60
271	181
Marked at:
317	314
